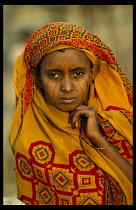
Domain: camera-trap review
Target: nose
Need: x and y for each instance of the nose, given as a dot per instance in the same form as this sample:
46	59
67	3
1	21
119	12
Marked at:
67	85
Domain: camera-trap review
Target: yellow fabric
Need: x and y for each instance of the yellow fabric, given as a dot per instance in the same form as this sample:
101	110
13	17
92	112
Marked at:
19	75
42	121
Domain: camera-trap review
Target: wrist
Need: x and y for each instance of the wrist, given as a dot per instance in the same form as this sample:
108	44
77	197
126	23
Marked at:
102	148
100	142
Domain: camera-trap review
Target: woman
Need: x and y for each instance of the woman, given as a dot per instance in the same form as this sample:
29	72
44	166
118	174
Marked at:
72	129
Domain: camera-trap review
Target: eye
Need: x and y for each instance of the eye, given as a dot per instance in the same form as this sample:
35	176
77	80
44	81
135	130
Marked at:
53	75
78	73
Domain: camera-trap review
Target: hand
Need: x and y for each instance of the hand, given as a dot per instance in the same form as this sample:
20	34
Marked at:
87	117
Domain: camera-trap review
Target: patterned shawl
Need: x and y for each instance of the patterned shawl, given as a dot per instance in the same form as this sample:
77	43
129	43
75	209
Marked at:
37	129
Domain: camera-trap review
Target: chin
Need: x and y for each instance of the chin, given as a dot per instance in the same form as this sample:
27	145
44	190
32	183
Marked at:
66	109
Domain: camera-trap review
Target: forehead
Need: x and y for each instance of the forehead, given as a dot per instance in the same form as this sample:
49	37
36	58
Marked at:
66	57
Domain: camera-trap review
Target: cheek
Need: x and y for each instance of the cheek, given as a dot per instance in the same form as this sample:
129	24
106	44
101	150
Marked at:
47	85
51	90
85	91
84	86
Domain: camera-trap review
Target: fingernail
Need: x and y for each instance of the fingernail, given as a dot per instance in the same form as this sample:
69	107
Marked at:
76	124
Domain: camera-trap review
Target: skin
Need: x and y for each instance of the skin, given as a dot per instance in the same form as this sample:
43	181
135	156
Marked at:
66	78
62	79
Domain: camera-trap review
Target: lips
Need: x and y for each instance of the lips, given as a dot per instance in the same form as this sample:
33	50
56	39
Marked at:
68	100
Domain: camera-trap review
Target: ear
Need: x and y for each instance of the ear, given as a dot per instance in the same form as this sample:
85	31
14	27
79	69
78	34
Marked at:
93	73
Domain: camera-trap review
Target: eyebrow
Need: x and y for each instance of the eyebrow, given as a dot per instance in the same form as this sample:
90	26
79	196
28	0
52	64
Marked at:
58	70
78	68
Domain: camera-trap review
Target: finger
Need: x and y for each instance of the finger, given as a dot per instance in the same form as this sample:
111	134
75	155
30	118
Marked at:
77	114
76	123
76	119
79	107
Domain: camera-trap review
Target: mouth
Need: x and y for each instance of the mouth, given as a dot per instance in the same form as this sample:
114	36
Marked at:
68	100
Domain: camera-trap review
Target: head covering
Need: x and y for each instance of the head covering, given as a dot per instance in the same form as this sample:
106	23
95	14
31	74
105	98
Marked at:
36	122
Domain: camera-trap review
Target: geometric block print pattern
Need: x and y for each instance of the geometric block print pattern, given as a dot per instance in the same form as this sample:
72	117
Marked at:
61	179
78	183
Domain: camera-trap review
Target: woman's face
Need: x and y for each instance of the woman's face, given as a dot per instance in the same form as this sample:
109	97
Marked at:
65	78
